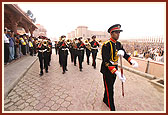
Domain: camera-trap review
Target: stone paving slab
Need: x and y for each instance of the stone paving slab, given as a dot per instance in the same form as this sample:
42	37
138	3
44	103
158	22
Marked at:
80	91
14	71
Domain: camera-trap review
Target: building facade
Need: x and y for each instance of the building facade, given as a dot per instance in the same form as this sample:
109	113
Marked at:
16	20
82	31
41	31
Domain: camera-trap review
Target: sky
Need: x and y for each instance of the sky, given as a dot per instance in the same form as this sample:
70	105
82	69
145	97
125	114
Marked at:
137	20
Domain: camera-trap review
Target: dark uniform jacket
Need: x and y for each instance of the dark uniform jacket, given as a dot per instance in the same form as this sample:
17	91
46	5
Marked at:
80	46
94	44
49	49
63	48
41	48
110	49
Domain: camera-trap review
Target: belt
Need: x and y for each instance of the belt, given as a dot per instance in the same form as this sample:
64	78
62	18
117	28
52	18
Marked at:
42	50
114	63
80	48
64	49
94	48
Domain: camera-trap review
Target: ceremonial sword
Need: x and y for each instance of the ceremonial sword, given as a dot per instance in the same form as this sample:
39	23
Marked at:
122	75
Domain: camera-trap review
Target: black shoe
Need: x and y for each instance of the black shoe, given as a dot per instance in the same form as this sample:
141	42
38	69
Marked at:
41	74
66	69
46	71
105	102
63	72
80	69
74	64
88	63
94	67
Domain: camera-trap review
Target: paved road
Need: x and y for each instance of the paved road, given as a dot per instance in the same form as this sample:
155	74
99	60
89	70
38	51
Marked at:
80	91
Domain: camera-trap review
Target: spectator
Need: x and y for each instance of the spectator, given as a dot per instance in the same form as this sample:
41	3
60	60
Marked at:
20	47
23	45
16	46
11	45
31	47
6	47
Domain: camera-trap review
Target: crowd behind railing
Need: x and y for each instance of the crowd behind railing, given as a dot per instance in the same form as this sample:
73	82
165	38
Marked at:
16	45
150	51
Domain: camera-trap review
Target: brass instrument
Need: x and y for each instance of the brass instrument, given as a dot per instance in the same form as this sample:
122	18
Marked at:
68	42
45	43
39	41
88	45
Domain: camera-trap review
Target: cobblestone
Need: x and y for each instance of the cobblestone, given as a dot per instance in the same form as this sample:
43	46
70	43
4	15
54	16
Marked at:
80	91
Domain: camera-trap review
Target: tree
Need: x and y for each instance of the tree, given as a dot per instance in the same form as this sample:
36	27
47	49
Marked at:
30	14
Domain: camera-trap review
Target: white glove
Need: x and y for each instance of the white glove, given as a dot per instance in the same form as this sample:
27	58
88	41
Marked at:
119	75
120	52
134	63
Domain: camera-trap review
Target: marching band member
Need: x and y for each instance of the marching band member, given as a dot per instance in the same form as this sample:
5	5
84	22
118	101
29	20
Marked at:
59	50
63	53
80	52
49	51
75	50
94	47
42	55
88	49
111	50
70	45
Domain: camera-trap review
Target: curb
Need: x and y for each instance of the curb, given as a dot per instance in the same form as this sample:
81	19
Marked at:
12	85
156	82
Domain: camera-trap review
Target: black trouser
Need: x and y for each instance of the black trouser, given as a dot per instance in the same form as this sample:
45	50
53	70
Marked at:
6	52
94	54
88	55
34	49
72	54
82	55
75	56
59	52
43	61
27	48
64	57
15	56
79	54
108	99
49	57
56	50
23	49
31	51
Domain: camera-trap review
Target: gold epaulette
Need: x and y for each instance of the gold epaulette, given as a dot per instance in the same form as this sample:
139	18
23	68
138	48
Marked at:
106	42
